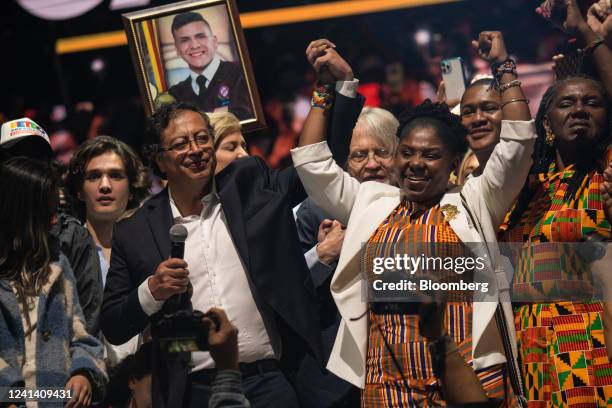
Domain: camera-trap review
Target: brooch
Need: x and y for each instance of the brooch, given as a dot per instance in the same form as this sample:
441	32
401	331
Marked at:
450	211
223	96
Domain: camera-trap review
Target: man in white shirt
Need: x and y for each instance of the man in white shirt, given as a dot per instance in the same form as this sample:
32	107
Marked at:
241	254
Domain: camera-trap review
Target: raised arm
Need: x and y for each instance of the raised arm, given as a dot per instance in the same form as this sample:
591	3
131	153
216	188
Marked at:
330	68
492	48
592	36
507	169
325	182
335	83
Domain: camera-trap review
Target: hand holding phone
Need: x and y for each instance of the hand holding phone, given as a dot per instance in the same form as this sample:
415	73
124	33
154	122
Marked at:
453	75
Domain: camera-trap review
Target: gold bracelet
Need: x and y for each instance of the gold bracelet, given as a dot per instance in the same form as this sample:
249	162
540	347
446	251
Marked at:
515	100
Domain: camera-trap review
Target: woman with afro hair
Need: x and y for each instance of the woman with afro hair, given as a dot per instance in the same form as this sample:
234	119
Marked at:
387	344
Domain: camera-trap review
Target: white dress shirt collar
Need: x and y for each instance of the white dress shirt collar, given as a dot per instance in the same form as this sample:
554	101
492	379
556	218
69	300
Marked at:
209	72
208	202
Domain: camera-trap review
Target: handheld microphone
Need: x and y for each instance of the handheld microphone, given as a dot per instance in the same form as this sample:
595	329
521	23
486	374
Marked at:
180	328
178	236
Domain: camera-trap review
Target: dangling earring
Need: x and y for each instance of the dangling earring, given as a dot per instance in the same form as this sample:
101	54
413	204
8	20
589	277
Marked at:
550	136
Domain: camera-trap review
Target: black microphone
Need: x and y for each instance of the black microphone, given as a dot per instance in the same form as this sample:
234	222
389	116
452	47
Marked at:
178	236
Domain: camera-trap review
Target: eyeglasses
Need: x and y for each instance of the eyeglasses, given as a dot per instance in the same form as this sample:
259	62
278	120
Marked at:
182	144
360	156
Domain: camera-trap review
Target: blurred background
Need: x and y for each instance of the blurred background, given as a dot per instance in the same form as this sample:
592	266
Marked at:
81	88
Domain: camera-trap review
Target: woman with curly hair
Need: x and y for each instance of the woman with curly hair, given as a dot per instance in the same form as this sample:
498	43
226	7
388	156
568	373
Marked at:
392	354
106	180
43	341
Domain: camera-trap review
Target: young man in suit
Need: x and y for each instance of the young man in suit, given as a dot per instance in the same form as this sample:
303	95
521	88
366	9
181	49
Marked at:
212	84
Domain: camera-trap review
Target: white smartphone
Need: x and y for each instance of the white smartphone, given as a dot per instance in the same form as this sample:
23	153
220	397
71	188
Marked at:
453	75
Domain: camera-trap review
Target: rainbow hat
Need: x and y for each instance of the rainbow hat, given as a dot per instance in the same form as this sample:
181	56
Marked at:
16	130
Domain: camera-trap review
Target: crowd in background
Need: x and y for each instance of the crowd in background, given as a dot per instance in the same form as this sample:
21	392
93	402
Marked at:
403	70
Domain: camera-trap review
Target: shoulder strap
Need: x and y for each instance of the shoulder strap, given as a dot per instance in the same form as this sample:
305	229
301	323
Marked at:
516	379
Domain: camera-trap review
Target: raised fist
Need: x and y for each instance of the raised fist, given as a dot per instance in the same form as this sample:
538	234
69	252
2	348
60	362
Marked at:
491	47
327	63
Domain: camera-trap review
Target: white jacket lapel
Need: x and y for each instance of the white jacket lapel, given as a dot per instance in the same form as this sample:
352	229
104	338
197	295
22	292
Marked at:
348	291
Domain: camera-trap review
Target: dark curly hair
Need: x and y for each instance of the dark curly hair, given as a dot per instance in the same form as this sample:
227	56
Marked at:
157	123
135	366
437	116
544	155
136	172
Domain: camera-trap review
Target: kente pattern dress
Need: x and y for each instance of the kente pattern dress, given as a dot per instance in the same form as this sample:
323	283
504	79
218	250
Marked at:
561	344
404	231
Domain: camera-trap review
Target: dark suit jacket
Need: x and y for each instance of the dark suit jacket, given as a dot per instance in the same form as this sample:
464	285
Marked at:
78	246
227	88
317	387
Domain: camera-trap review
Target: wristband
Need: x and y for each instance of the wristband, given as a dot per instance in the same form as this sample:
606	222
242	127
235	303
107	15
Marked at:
322	96
498	69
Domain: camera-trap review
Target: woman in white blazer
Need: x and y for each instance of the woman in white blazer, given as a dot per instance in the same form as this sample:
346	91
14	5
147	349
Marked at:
430	148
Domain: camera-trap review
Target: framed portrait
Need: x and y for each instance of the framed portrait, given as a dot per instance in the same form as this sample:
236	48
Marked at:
194	51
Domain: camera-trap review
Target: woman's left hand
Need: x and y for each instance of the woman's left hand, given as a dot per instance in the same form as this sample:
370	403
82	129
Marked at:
81	391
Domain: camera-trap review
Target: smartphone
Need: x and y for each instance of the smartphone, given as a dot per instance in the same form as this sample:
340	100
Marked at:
453	74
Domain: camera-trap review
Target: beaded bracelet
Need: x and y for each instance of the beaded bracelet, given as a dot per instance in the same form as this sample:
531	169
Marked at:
499	69
508	85
322	96
515	100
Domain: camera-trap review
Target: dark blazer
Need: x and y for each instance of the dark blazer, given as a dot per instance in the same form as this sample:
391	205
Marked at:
78	246
227	88
316	387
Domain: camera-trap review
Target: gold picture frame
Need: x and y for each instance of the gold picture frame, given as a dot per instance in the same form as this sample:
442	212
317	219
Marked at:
172	50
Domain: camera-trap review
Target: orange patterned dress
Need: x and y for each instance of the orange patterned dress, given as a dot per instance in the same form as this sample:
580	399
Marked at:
385	386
